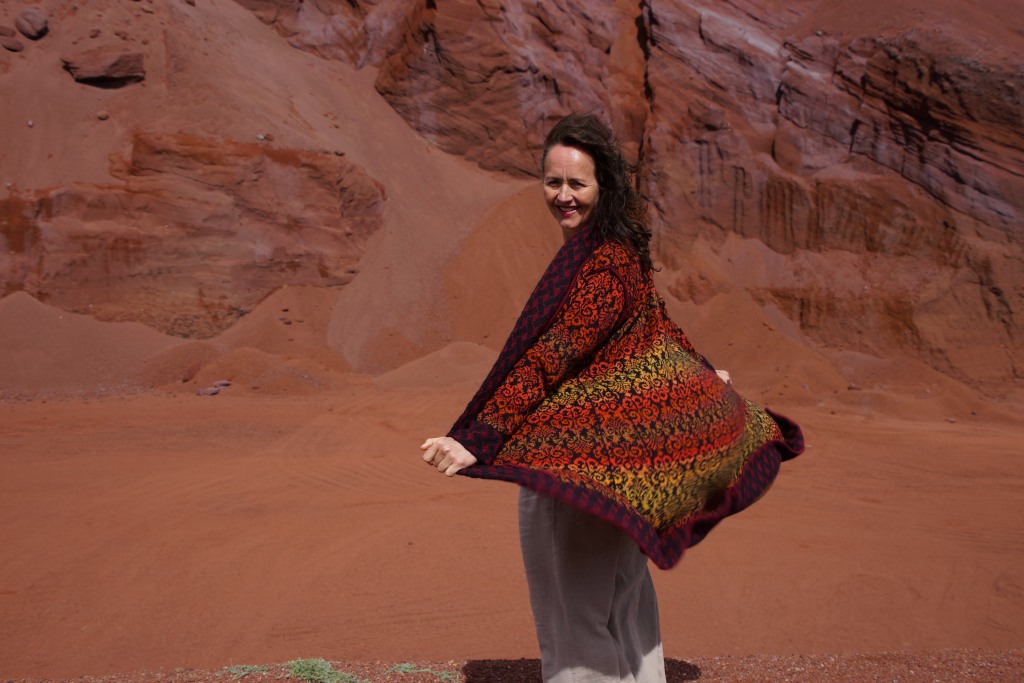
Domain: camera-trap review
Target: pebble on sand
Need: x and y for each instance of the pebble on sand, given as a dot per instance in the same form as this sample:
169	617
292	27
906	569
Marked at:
32	24
11	44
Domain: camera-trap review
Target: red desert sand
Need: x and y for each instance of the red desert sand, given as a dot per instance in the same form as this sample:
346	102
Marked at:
149	528
289	516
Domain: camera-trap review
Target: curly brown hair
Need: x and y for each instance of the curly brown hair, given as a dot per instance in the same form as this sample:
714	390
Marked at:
620	210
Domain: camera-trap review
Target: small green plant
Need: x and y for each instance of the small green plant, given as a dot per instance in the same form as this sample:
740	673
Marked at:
319	671
240	671
410	668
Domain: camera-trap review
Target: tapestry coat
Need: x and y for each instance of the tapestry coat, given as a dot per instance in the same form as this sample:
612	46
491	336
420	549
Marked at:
601	401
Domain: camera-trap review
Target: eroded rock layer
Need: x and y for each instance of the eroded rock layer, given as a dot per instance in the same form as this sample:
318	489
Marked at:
199	231
884	174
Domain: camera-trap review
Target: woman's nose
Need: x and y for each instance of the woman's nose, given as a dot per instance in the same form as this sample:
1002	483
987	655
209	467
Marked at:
563	193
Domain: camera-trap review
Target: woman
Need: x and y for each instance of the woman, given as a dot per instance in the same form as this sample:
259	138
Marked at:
626	441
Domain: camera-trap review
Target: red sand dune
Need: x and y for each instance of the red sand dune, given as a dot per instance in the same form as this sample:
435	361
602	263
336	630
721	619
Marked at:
146	527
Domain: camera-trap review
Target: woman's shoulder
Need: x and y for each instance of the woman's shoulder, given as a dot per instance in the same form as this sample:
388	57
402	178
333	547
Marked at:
615	256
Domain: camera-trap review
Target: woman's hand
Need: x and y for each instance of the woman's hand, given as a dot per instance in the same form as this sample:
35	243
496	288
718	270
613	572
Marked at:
447	455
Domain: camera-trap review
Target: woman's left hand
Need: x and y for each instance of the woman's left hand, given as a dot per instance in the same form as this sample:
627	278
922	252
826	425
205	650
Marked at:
447	455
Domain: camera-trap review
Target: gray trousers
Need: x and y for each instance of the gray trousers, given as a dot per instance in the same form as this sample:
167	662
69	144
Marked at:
592	597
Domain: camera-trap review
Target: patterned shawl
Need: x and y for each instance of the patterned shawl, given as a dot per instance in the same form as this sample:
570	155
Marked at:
641	433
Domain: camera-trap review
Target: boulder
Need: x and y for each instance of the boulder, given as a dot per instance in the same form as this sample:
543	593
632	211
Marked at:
32	24
107	65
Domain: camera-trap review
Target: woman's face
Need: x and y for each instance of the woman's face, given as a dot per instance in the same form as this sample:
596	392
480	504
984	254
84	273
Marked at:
570	188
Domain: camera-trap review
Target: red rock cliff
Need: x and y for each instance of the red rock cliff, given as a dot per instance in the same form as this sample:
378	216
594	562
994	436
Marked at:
858	166
855	167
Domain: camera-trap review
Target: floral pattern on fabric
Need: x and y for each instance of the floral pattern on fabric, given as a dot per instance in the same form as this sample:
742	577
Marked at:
589	317
611	409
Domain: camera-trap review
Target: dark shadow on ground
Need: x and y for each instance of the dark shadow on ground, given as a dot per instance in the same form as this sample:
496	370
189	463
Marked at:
528	671
677	671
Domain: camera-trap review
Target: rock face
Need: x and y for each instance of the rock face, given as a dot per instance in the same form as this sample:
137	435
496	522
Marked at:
360	33
852	170
481	79
868	185
107	65
503	72
887	175
199	232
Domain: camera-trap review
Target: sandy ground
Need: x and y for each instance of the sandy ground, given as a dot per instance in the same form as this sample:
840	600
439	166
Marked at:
159	531
906	667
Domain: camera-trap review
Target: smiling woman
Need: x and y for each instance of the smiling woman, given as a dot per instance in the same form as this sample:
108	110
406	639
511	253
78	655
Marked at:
570	187
627	443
